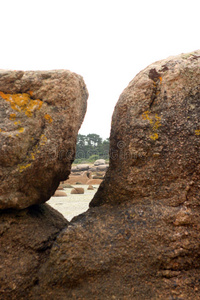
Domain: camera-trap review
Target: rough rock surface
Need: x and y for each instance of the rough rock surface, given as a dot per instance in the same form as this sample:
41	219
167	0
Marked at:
26	239
140	237
40	115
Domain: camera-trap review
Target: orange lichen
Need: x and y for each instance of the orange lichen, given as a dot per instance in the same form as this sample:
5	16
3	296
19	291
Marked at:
22	103
160	78
197	132
12	117
48	118
30	93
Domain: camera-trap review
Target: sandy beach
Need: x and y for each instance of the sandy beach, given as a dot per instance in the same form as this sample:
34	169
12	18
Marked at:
73	204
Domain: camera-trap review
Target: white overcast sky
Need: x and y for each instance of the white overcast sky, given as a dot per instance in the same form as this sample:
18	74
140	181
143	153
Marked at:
107	42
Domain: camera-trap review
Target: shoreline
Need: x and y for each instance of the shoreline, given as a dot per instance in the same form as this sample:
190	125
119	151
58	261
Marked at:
73	204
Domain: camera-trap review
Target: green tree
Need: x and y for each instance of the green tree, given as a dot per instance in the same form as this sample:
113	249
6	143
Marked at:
94	139
91	145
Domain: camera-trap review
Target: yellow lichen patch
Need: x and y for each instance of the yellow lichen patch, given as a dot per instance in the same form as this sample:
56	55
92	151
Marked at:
197	132
48	118
154	122
35	151
24	167
157	124
12	117
22	103
154	136
17	122
145	116
33	156
21	129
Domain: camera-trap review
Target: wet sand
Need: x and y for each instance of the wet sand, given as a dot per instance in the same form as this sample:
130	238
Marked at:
73	204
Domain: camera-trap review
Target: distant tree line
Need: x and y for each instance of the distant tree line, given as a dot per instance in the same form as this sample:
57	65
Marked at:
91	147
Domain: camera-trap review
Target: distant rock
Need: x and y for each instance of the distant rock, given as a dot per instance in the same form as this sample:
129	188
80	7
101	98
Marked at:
40	115
93	169
59	194
77	190
60	188
94	181
81	179
98	177
66	186
90	187
82	167
102	168
99	162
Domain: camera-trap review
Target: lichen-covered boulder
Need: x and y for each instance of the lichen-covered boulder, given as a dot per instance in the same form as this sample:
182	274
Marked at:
155	136
40	115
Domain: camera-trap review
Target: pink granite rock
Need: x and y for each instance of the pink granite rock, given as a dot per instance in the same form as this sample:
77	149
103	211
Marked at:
40	115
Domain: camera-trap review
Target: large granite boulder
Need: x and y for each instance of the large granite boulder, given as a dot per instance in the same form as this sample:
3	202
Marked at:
26	239
40	115
140	237
155	136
